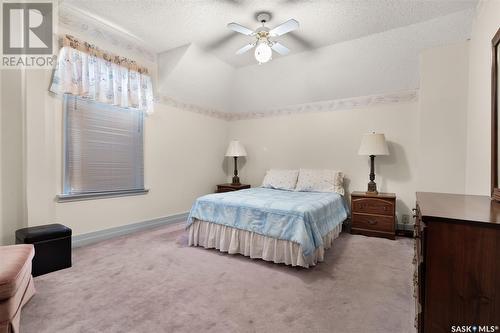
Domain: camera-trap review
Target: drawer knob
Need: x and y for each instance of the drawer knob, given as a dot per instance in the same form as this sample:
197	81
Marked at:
372	222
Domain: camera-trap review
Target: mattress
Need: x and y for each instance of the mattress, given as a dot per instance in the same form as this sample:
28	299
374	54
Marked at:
303	218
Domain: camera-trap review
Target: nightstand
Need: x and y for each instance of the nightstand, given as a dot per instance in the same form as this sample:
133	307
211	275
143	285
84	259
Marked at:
230	187
373	214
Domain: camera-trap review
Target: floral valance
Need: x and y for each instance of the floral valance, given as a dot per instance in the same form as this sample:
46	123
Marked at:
86	71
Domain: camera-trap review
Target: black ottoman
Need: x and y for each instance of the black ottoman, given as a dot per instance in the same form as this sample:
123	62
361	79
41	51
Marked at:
52	244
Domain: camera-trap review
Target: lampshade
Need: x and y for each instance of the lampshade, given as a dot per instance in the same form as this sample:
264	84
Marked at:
263	53
235	148
373	144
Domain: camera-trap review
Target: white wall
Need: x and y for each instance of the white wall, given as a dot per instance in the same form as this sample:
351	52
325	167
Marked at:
331	140
478	162
380	63
443	98
190	75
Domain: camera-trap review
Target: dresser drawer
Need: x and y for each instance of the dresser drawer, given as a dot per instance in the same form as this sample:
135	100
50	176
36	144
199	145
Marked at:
371	222
373	206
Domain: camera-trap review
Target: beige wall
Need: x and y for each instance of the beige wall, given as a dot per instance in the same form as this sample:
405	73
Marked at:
2	226
442	120
183	159
184	150
331	140
427	138
484	28
11	148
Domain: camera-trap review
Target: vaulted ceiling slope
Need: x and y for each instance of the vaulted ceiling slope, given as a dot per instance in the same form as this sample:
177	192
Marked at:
165	25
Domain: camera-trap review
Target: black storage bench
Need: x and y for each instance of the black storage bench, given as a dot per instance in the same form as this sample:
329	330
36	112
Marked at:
52	244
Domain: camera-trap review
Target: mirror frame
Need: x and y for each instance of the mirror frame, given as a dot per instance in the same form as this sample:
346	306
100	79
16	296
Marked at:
495	190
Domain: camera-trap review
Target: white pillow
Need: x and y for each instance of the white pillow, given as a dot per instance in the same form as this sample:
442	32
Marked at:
281	179
312	180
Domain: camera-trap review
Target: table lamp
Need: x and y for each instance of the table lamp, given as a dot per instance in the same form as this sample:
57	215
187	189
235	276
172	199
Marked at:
236	150
373	144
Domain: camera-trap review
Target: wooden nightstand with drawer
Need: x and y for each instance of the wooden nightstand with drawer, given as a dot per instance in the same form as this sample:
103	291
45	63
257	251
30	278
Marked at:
231	187
373	214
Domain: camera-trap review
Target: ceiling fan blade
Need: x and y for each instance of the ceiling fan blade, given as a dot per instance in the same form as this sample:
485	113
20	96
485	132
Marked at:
245	48
280	48
241	29
283	28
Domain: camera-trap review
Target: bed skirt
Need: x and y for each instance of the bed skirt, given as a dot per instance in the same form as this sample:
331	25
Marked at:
231	240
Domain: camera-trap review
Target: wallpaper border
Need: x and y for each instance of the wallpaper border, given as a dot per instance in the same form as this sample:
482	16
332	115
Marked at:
211	112
323	106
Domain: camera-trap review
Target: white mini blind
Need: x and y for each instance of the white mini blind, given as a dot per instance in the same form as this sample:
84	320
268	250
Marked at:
103	148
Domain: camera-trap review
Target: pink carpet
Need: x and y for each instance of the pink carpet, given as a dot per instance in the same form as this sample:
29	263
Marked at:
152	282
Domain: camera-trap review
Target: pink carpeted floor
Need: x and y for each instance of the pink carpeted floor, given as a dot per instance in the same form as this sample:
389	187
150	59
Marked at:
152	282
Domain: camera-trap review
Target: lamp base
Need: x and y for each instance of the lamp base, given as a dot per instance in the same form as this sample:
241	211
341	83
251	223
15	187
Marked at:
372	188
236	180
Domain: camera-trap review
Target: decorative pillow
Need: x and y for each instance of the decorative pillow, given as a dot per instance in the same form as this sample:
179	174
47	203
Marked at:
281	179
311	180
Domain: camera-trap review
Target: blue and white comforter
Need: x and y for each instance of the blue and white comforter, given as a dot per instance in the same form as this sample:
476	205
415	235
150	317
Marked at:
301	217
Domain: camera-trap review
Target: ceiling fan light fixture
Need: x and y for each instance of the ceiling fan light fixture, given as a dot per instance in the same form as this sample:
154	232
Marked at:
263	52
264	42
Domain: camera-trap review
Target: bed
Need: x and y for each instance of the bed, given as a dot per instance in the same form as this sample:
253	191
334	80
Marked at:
290	227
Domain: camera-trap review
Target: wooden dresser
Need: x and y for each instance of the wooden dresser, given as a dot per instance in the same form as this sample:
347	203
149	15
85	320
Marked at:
457	258
373	214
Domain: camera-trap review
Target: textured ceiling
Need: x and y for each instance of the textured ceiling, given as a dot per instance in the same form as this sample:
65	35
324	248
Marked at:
167	24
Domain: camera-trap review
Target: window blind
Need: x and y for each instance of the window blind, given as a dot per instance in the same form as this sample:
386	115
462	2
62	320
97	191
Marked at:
103	148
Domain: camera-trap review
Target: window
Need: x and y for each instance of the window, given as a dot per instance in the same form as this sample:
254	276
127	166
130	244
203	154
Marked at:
103	149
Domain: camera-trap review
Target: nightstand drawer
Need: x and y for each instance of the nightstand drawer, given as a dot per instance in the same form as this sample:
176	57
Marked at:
221	189
373	206
231	187
373	222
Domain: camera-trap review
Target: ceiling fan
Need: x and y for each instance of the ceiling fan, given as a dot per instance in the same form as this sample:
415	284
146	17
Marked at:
263	35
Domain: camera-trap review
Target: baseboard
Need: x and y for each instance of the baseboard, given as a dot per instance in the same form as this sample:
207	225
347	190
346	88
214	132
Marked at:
405	233
408	227
405	230
97	236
